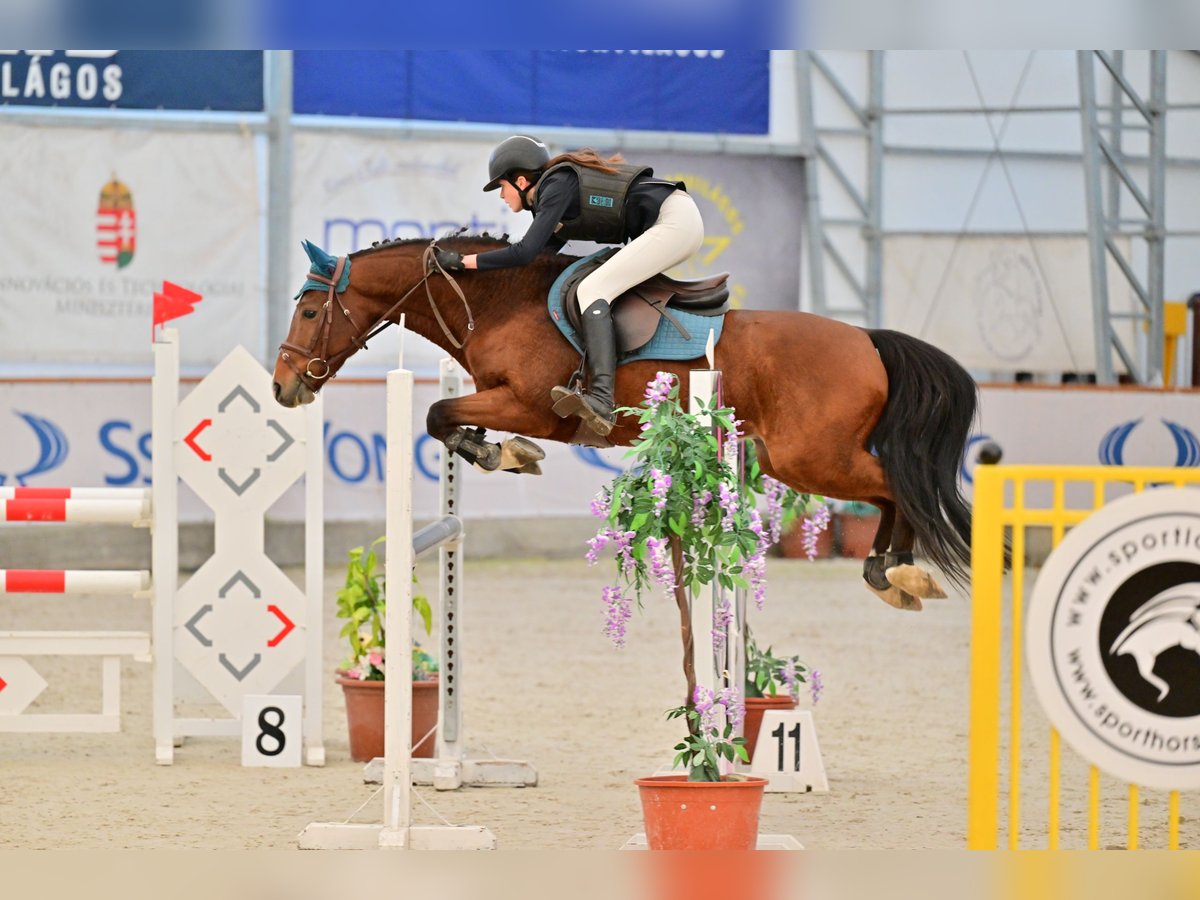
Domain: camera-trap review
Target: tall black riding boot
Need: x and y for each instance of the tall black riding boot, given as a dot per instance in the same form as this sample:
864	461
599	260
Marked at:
599	340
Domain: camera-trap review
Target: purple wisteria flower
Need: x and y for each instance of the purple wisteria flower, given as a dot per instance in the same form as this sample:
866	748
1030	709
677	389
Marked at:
622	541
735	706
700	508
722	615
774	491
617	611
729	450
659	489
659	390
728	498
755	566
660	569
711	706
815	686
811	529
601	505
790	677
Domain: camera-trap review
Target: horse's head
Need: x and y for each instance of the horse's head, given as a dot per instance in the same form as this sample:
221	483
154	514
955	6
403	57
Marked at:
324	332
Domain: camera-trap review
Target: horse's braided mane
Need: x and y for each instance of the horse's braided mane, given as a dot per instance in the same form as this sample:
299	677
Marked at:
449	242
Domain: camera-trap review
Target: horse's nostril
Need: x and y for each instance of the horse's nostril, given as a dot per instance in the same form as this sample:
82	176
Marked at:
278	390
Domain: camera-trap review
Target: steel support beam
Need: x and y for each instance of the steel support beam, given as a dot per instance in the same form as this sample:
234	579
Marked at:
1107	176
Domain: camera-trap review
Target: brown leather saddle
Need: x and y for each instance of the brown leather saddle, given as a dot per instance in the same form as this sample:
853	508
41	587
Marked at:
636	313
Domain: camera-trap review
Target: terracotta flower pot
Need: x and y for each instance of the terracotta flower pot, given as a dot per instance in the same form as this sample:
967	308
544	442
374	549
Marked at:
856	534
701	815
755	707
791	543
364	717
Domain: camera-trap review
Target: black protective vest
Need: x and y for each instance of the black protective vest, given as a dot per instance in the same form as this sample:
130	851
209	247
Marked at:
601	202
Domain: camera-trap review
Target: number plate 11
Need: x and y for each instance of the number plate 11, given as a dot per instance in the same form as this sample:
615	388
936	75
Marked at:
787	753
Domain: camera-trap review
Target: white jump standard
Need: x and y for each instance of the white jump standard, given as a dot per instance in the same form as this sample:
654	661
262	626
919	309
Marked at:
20	683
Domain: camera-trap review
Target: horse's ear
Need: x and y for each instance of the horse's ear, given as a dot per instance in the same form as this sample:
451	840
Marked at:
320	260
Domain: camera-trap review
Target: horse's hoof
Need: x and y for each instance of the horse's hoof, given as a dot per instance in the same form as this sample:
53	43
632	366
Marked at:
916	581
530	468
517	452
489	459
893	596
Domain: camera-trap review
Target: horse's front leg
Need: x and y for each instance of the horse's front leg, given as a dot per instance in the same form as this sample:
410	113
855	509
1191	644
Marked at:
495	408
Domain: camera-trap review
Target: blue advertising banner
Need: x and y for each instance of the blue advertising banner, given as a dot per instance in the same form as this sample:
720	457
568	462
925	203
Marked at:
218	80
725	91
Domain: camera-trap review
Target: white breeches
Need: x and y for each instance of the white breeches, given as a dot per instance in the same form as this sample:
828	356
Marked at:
676	235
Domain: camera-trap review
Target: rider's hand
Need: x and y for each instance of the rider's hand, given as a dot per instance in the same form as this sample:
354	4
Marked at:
449	260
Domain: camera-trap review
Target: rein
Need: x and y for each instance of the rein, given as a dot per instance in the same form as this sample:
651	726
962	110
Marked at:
359	337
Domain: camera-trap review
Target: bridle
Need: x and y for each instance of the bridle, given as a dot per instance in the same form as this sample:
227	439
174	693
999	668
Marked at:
317	352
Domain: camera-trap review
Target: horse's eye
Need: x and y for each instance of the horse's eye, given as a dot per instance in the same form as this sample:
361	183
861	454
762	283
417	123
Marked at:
310	314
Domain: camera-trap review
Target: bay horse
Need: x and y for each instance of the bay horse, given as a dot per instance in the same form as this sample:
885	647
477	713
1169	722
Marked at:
833	409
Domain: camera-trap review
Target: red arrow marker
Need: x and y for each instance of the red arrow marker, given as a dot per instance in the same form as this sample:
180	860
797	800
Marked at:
190	440
3	684
288	625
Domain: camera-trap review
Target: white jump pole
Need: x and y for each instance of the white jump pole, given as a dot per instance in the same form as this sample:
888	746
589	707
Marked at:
717	655
397	831
164	391
73	493
111	512
397	771
74	581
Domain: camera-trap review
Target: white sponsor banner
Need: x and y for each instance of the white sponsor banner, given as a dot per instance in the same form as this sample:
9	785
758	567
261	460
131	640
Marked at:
112	215
351	190
98	434
999	302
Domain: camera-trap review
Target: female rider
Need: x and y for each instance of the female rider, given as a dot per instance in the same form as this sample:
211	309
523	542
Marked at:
582	196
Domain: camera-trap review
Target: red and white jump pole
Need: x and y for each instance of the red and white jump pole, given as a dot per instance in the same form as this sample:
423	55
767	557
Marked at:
74	581
110	512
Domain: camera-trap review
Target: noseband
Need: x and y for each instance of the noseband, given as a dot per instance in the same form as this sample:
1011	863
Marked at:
317	352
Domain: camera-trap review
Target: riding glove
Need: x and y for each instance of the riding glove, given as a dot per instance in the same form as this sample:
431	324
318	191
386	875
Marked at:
450	260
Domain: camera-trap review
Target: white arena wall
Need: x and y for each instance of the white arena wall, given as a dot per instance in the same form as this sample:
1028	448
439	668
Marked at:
97	434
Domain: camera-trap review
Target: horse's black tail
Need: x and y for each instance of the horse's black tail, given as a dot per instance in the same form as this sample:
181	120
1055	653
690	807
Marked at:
920	439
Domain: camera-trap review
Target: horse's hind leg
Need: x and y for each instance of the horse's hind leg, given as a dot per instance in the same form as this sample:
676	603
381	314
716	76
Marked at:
875	566
900	570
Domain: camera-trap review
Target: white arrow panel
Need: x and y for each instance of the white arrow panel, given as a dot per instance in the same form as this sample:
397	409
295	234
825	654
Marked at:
235	446
20	685
227	617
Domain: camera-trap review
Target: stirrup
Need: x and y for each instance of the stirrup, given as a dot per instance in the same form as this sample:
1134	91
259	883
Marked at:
569	403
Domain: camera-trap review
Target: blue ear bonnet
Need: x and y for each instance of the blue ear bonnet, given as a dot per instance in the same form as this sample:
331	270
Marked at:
322	264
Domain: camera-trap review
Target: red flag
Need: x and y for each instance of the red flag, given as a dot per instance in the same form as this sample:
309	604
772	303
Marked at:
172	303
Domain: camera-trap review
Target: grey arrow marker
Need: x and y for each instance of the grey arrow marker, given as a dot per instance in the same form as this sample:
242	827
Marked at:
234	394
239	576
191	624
238	489
239	674
288	440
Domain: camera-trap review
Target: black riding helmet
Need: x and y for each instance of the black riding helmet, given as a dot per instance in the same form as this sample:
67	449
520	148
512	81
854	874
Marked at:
517	152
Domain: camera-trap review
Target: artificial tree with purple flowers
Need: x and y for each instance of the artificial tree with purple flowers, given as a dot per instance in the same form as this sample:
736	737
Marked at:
681	519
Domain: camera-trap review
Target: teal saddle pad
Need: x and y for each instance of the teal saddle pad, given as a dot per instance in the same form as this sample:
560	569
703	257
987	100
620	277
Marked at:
667	342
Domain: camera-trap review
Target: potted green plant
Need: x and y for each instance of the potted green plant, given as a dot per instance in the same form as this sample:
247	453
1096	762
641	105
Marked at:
362	607
680	520
766	673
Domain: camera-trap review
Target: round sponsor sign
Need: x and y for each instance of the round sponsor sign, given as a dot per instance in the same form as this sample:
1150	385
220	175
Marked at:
1113	638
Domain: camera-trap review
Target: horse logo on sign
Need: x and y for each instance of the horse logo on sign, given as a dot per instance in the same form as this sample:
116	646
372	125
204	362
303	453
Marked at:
1113	638
116	224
